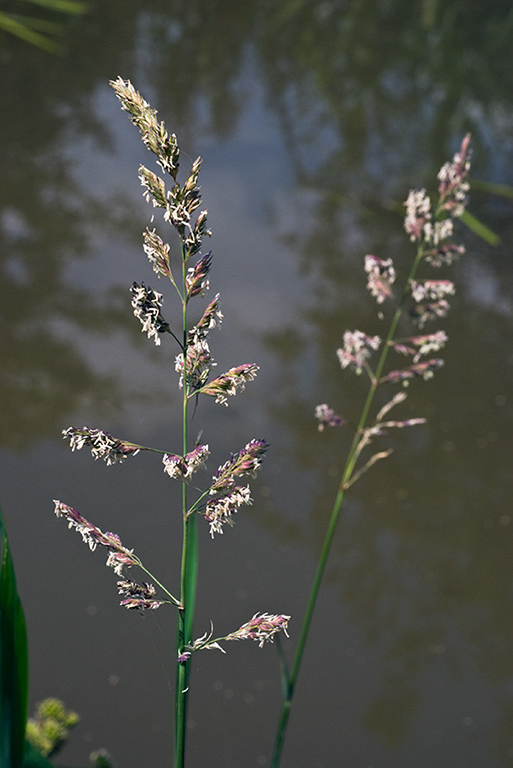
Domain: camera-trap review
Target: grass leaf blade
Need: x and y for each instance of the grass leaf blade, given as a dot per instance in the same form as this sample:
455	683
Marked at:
13	662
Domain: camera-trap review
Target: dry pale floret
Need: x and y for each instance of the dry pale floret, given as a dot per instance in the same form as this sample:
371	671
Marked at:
381	277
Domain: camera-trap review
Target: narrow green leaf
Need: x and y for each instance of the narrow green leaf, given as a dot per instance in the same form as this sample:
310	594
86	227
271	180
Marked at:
480	229
14	27
13	663
491	188
44	26
62	6
34	759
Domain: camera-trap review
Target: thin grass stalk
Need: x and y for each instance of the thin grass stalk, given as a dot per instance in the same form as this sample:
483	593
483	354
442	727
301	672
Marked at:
185	614
290	680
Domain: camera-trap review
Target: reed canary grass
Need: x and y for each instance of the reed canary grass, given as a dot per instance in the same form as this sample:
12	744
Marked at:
430	227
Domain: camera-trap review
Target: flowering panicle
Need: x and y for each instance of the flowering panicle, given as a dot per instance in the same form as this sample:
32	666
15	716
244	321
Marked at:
102	445
357	348
432	229
228	497
327	417
157	252
381	277
196	281
180	205
138	596
146	304
262	628
119	556
183	467
229	383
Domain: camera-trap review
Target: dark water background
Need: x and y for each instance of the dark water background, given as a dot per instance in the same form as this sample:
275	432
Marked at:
313	119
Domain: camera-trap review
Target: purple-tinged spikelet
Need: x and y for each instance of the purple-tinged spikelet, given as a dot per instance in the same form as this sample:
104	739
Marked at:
196	281
229	383
157	252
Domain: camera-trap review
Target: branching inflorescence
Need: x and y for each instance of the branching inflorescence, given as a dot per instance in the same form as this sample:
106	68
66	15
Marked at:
193	363
422	300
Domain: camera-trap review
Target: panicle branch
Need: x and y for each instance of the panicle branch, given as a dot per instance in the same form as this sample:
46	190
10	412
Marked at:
262	628
118	557
102	445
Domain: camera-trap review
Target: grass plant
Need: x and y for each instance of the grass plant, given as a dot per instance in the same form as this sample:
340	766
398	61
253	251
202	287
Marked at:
420	301
187	274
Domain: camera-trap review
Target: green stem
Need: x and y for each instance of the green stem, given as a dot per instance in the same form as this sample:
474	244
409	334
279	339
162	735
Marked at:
183	621
290	680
